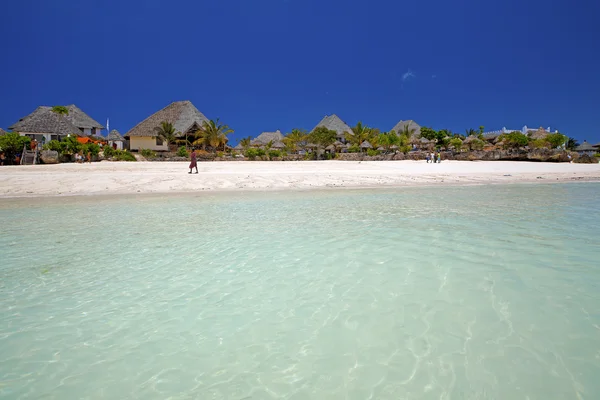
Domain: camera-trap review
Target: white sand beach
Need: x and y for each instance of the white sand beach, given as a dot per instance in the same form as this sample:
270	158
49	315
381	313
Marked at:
164	177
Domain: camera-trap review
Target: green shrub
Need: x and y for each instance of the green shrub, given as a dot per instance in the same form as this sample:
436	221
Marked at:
261	152
354	149
108	151
372	152
310	155
274	154
252	153
54	145
220	154
182	152
124	155
147	153
91	148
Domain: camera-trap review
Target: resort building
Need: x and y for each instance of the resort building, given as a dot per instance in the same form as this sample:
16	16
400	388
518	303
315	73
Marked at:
412	126
275	138
44	125
587	148
334	123
186	120
524	130
115	140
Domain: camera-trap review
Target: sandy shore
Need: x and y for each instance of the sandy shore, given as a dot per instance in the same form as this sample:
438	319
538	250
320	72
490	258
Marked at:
159	177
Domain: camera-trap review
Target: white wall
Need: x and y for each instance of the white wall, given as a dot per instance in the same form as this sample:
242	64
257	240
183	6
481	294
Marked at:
146	142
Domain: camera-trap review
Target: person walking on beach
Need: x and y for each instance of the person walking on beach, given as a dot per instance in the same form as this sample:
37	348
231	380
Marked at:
439	157
193	161
427	157
89	157
432	155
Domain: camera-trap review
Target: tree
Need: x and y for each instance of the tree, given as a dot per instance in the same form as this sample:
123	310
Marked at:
61	111
167	132
245	142
322	137
556	140
11	144
572	144
360	133
514	140
296	138
212	134
428	133
470	132
456	143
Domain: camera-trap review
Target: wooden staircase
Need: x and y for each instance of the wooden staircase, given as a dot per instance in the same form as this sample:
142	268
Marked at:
29	157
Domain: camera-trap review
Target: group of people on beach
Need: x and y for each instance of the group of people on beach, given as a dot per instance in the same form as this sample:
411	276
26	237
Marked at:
82	158
434	157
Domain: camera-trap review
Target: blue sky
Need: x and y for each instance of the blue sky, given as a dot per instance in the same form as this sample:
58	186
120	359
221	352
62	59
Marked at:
263	65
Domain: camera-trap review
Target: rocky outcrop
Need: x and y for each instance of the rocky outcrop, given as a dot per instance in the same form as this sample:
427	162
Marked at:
586	159
49	157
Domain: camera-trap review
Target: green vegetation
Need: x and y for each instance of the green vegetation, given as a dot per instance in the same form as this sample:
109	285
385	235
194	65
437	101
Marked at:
147	153
354	149
372	152
556	140
182	152
12	143
456	143
572	144
167	132
295	140
212	134
117	155
274	154
514	140
322	137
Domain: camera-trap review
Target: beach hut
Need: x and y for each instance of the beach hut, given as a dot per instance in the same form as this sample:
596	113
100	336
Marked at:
334	123
264	138
183	115
365	145
115	140
586	148
394	148
44	125
239	148
278	145
412	127
330	149
541	133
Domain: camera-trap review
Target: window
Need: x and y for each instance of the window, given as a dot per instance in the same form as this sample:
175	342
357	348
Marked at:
93	131
159	141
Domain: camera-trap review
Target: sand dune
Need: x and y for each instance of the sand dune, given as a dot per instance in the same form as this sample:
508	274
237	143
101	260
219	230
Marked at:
164	177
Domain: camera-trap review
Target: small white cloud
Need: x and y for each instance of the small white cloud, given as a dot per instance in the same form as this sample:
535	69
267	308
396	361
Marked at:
433	76
407	75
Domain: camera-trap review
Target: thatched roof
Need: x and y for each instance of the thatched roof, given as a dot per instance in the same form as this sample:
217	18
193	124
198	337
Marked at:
267	137
594	145
470	139
366	145
394	147
2	132
585	146
538	134
43	120
184	116
491	136
330	147
334	123
424	140
239	147
115	136
278	145
81	119
399	127
339	144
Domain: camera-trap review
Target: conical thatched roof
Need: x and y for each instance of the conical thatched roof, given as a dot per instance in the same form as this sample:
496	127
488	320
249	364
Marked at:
278	145
399	127
238	147
334	123
470	139
366	145
538	134
424	140
339	144
43	120
585	146
115	136
330	147
184	116
267	137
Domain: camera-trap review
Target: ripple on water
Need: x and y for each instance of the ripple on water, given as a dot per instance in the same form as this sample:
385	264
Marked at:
480	292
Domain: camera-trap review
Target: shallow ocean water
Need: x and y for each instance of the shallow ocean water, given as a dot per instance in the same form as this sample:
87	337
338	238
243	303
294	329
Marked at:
488	292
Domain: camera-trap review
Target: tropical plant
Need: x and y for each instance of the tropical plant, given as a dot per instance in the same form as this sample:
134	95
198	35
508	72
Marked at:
354	149
456	143
182	152
322	137
372	152
212	134
147	153
167	132
92	148
245	142
428	133
556	140
295	139
514	140
252	153
481	128
274	153
12	143
470	132
61	111
359	134
71	145
572	144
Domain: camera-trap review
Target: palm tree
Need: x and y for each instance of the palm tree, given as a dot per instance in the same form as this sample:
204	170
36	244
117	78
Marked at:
245	142
61	111
167	132
213	134
470	132
295	139
360	133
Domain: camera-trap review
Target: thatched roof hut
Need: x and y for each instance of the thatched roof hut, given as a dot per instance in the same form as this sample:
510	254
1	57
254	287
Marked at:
366	145
266	137
184	116
278	145
238	147
412	125
43	120
491	136
330	148
470	139
334	123
585	147
394	147
115	136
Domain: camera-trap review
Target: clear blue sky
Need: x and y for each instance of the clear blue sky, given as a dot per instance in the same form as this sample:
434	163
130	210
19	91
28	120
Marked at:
262	65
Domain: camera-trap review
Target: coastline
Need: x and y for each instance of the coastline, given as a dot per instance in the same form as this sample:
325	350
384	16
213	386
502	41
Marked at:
122	178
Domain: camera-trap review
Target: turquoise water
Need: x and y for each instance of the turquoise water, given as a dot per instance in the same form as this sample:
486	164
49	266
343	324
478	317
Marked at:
488	292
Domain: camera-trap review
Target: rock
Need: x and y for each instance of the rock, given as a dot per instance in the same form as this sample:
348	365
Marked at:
586	159
49	157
